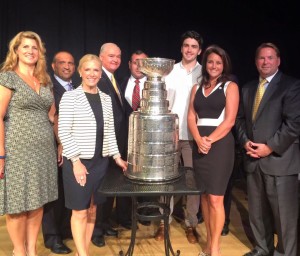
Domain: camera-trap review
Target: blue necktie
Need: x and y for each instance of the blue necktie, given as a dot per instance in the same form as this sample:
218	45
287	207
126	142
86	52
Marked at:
69	87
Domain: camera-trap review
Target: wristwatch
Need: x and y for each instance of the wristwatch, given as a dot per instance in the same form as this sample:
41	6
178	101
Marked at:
74	159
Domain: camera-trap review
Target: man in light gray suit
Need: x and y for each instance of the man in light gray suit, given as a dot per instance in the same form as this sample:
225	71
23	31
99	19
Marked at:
270	137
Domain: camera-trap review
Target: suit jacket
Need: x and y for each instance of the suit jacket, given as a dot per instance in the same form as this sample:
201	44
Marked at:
277	124
58	91
77	126
123	86
120	112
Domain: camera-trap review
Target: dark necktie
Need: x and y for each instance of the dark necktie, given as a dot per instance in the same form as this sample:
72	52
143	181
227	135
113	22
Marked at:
136	95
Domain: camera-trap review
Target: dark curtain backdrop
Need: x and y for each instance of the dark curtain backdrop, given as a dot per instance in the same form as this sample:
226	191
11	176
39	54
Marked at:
82	26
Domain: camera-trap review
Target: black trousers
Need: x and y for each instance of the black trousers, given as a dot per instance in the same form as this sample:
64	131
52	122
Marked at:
104	210
56	224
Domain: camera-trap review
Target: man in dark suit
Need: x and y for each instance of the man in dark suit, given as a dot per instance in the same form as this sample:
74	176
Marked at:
129	83
269	129
110	55
56	218
129	87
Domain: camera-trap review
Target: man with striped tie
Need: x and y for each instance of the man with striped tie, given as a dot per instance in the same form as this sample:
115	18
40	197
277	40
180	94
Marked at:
132	86
56	218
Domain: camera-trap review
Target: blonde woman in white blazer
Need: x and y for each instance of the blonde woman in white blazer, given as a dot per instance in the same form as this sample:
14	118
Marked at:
86	131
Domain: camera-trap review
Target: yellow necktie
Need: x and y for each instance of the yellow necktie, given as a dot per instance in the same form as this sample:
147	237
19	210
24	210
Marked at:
259	94
113	81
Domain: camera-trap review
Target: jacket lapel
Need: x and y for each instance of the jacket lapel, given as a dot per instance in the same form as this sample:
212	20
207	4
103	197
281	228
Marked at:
105	106
84	101
251	97
111	90
272	87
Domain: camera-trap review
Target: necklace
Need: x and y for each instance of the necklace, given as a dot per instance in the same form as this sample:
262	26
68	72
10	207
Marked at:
31	81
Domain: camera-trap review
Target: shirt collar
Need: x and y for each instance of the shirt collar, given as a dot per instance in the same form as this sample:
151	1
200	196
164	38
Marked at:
143	79
107	72
190	71
62	82
269	78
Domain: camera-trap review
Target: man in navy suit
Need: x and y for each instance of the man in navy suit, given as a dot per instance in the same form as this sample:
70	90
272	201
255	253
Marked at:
270	137
56	218
110	55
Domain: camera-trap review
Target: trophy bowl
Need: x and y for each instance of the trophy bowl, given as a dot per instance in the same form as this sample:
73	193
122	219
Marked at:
155	67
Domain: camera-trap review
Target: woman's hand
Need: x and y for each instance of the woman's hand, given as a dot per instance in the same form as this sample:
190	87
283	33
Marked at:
59	154
204	145
2	162
123	164
80	172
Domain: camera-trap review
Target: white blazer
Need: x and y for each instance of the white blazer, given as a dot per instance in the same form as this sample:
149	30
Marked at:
77	126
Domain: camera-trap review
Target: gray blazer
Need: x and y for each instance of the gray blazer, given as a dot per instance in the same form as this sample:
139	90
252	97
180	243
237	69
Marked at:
277	124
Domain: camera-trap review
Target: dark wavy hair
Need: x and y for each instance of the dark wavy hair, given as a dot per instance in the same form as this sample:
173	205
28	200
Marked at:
192	34
226	74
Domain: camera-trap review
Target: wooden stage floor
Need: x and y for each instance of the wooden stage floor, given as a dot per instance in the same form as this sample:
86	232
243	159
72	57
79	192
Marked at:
236	243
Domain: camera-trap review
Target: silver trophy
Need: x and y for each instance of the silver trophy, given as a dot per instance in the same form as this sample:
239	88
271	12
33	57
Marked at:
153	129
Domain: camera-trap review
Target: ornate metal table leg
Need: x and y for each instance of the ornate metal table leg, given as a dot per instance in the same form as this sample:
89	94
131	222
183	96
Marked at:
134	228
165	216
167	241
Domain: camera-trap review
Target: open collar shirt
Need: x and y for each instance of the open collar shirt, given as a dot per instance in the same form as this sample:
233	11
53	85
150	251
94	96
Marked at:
179	84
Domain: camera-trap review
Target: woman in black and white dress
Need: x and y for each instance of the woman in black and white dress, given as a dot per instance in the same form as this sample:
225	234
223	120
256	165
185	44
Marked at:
212	112
86	131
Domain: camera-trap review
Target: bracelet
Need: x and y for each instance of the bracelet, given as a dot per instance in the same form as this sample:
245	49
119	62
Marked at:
2	157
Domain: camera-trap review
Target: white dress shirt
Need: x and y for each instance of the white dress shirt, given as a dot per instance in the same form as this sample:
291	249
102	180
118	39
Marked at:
63	83
179	84
130	87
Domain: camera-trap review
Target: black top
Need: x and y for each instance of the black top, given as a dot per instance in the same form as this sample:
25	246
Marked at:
95	102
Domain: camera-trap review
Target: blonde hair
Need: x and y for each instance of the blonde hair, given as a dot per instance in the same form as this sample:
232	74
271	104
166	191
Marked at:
11	61
86	58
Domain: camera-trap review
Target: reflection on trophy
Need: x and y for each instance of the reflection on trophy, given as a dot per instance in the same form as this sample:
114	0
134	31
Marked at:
153	129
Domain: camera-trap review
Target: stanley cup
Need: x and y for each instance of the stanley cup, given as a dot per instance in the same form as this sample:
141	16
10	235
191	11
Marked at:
153	129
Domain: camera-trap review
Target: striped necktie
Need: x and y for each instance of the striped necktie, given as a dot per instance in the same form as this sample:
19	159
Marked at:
69	87
136	95
113	81
259	94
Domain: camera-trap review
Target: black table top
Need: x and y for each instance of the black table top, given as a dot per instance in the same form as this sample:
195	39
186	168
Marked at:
115	183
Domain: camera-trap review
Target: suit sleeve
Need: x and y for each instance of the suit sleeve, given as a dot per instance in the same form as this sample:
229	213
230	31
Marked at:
240	123
289	130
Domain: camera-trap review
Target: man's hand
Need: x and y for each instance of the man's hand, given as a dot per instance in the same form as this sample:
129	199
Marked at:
257	150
